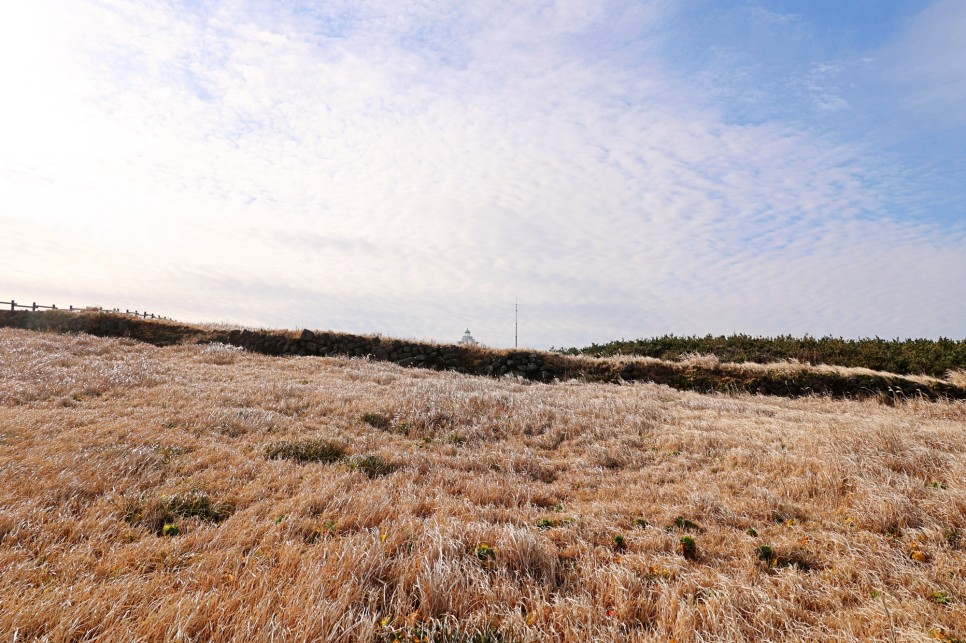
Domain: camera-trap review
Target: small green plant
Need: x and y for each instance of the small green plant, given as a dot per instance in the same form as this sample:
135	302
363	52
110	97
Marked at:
937	484
620	544
683	523
752	532
952	537
377	421
688	548
767	555
484	552
170	530
546	523
166	453
280	519
640	522
456	439
940	598
306	451
374	466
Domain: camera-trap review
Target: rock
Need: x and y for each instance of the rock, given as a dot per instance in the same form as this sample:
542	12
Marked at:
307	335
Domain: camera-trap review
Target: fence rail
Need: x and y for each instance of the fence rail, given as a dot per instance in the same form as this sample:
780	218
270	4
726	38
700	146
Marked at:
34	306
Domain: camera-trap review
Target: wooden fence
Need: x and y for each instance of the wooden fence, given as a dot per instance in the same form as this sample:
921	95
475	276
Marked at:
34	306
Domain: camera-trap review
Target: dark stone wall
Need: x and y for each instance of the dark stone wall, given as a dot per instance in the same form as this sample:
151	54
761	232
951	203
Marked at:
532	365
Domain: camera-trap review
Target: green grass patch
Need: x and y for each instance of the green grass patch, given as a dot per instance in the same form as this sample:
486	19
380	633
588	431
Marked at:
161	513
374	466
305	451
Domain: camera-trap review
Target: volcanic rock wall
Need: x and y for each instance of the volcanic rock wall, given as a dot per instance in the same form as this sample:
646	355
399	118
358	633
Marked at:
464	359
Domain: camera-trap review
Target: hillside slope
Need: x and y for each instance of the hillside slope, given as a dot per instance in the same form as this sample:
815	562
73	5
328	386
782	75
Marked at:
202	492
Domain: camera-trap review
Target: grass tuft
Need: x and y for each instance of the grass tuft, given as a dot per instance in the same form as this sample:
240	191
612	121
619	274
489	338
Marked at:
160	513
377	421
317	450
374	466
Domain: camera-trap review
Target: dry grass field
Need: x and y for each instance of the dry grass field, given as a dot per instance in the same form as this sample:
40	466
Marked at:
203	493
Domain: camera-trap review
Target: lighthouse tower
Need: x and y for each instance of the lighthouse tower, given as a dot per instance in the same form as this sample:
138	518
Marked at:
468	339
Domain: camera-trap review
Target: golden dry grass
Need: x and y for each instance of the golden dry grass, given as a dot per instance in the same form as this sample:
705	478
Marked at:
103	441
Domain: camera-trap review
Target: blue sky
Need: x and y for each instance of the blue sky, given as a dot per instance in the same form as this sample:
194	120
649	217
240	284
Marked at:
624	169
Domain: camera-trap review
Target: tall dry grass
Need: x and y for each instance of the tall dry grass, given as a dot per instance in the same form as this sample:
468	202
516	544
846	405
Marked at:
204	493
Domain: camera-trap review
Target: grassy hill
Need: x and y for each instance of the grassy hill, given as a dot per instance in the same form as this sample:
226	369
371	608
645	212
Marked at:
703	373
194	491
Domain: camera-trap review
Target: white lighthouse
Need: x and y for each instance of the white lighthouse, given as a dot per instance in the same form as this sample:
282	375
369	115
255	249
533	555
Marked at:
468	339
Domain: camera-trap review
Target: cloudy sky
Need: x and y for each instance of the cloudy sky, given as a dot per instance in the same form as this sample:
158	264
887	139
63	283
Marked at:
413	167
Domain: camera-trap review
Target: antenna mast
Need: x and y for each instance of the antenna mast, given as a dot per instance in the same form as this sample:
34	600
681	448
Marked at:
516	322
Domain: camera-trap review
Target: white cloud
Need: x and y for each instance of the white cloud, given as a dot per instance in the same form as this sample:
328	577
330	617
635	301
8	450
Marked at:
929	62
412	169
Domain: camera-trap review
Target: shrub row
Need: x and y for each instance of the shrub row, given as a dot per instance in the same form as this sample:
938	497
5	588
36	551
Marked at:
905	357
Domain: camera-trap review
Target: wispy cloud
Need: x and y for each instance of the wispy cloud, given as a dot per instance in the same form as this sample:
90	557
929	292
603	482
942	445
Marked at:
928	62
414	168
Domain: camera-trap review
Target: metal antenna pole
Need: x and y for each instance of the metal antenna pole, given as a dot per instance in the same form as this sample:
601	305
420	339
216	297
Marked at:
516	322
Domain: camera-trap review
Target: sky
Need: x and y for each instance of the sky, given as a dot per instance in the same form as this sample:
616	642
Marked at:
415	167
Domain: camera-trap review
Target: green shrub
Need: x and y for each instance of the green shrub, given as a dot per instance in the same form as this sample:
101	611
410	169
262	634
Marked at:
910	356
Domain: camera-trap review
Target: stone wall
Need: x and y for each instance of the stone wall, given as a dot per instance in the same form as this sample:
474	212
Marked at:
532	365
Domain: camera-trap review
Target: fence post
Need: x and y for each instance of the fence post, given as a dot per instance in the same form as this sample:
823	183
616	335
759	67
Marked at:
54	307
35	307
72	308
13	305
